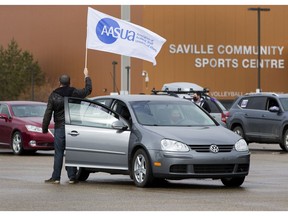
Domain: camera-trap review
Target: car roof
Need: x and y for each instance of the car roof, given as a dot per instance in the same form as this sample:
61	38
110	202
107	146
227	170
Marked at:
138	97
281	95
23	102
182	86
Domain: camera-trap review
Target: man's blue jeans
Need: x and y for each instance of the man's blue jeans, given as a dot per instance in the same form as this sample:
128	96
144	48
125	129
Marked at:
59	146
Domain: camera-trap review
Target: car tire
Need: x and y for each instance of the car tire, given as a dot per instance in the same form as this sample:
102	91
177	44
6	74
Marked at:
17	143
82	174
233	182
239	130
284	143
141	169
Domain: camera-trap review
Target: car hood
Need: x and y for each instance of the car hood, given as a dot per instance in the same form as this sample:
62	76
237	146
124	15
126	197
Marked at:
37	121
197	135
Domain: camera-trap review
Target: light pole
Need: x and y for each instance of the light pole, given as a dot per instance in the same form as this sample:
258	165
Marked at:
114	75
258	9
128	78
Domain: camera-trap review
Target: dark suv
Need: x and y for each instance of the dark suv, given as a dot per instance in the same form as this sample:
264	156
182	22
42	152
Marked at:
260	117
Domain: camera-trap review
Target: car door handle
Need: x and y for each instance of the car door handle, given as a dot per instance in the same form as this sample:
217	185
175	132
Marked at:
263	115
73	133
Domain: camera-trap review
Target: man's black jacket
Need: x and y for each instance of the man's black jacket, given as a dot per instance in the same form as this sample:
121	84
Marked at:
56	103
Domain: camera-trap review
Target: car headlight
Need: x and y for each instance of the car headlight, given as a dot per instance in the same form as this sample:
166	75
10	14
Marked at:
172	145
33	128
241	145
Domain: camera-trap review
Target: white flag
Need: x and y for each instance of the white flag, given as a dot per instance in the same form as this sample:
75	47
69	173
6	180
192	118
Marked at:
109	34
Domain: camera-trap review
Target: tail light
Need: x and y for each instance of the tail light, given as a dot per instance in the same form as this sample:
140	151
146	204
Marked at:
224	116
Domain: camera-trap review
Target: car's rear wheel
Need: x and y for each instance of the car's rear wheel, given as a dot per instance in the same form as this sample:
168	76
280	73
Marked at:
284	143
82	174
233	182
239	130
17	143
141	169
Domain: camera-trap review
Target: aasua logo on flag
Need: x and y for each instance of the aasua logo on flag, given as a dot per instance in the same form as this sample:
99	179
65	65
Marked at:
113	35
108	31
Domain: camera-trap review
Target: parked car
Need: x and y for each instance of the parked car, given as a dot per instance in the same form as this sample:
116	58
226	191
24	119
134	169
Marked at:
151	138
261	118
186	90
21	127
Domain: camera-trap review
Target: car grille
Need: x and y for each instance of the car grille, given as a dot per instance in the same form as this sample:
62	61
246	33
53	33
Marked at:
209	168
213	168
206	148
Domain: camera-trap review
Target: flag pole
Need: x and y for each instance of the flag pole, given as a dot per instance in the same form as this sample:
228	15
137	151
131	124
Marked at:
86	58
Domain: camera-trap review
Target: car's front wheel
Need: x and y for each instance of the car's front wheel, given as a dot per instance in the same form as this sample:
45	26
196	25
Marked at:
284	143
82	174
233	182
17	143
141	169
239	130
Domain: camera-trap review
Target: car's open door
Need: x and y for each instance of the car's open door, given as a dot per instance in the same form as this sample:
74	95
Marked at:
95	137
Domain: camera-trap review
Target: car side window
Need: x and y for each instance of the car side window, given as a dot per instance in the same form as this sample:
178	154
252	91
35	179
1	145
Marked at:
256	103
90	114
213	106
4	109
122	110
271	102
106	101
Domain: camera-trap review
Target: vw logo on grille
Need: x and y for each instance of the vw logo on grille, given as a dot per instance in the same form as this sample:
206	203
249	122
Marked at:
214	148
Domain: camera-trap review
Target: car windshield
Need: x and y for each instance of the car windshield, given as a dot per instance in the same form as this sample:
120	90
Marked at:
29	110
284	102
167	113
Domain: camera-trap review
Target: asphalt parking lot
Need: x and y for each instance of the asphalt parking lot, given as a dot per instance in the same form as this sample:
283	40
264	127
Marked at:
23	189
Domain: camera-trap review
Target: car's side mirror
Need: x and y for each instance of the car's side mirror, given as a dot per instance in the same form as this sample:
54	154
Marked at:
119	125
274	109
4	116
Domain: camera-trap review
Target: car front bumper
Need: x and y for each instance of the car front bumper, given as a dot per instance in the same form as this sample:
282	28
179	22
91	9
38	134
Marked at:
178	165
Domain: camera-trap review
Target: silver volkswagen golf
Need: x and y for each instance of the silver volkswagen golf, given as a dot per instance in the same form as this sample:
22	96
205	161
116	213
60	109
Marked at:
151	138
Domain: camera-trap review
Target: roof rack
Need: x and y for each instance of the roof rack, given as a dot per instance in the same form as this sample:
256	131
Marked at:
191	91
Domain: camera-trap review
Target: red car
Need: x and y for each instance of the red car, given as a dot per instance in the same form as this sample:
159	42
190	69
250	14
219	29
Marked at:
21	127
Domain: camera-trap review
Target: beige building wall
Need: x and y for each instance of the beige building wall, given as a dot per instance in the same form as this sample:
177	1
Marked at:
56	36
210	28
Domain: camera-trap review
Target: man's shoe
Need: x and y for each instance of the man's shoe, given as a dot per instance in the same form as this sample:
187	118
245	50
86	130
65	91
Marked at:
73	181
52	181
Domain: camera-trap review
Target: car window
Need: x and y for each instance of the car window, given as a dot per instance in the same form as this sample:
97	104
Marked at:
89	114
164	113
258	103
121	109
271	102
222	107
4	109
106	101
213	106
29	110
284	102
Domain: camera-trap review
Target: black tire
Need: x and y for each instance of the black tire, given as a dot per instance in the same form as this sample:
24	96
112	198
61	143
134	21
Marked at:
233	182
141	169
17	143
284	143
82	174
239	130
